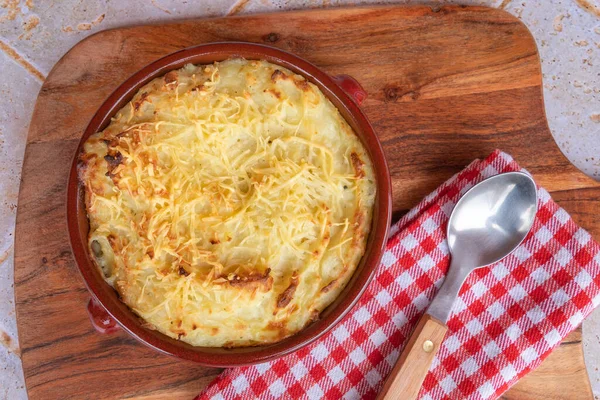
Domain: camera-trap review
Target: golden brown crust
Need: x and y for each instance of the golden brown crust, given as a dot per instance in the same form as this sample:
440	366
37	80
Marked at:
228	215
278	329
302	85
113	161
329	286
358	165
274	92
171	78
288	294
278	74
138	103
252	280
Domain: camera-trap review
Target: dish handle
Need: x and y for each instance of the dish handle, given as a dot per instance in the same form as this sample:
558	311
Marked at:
351	87
101	320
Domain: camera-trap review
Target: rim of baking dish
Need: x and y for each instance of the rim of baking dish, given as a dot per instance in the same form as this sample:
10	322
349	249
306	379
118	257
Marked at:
239	356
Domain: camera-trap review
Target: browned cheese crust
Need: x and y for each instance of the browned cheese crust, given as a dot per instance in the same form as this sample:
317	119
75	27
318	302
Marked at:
229	204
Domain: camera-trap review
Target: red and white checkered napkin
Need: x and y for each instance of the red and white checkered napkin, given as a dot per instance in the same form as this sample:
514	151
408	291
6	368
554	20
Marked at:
508	318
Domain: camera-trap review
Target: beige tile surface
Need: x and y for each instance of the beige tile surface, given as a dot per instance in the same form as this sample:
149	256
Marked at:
61	24
17	96
34	34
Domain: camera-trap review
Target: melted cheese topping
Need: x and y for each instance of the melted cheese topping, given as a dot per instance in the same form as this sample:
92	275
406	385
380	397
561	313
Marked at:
229	204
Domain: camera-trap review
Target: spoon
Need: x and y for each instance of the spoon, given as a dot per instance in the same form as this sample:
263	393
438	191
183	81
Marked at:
486	225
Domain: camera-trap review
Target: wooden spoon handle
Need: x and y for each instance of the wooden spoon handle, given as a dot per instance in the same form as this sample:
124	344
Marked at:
406	379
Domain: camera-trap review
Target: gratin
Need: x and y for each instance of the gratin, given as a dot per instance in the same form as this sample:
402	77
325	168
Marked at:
229	204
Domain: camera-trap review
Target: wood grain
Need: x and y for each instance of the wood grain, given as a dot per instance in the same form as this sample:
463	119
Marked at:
548	382
445	86
407	376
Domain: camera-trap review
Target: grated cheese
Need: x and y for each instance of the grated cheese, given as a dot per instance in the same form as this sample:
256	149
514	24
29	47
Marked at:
215	189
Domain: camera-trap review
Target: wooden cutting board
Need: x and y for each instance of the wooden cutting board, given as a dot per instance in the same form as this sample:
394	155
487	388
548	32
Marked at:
446	85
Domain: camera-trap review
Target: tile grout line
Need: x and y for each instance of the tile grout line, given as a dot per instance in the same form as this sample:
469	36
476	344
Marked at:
12	53
238	7
160	8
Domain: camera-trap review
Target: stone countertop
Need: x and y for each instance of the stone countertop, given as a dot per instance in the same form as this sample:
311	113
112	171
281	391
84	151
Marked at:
34	34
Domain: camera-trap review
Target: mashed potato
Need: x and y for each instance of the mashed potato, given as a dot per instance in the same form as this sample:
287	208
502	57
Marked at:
229	204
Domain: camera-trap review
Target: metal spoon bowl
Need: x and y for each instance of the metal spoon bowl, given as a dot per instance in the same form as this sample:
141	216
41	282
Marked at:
486	225
492	218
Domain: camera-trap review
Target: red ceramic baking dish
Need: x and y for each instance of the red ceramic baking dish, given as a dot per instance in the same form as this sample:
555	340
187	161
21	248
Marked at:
106	308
